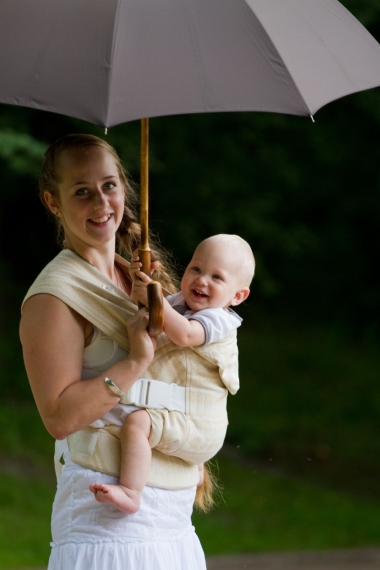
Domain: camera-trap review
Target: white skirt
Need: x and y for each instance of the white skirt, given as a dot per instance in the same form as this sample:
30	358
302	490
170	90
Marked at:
88	535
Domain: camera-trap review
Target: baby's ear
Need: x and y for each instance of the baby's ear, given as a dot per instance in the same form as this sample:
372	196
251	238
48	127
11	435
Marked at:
240	296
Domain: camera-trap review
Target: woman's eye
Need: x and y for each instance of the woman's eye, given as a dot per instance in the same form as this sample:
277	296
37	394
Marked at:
81	192
110	185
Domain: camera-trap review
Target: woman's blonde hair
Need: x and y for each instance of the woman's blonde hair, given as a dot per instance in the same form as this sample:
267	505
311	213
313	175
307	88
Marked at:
208	490
128	235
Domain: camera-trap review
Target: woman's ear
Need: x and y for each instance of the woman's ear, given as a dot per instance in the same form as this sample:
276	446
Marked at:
51	202
240	296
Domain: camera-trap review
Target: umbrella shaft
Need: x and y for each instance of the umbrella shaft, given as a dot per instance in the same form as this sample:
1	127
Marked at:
144	183
144	250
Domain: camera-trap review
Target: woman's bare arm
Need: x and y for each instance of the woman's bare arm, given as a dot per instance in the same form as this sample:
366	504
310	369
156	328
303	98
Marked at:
53	338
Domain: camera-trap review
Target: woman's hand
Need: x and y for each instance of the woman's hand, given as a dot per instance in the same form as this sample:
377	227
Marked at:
142	346
139	288
135	265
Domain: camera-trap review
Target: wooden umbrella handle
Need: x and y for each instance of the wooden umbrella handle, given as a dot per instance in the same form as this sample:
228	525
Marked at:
156	308
155	298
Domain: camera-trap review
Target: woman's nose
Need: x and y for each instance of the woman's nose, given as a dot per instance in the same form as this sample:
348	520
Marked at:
99	199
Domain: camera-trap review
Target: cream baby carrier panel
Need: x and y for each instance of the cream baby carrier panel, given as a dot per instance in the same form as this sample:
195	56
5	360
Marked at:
199	434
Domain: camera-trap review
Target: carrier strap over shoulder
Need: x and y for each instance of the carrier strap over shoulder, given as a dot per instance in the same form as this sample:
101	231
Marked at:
89	292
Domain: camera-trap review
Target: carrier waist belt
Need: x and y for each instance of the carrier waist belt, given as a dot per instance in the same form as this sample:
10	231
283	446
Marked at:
147	393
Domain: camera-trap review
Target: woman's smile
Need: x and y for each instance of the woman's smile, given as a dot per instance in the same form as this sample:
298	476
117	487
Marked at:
101	221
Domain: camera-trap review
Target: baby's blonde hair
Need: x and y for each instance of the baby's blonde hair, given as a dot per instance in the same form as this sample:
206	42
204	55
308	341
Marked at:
241	250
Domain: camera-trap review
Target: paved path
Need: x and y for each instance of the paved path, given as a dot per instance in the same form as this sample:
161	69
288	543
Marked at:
355	559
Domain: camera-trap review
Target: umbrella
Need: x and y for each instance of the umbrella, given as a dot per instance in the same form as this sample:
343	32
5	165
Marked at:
112	61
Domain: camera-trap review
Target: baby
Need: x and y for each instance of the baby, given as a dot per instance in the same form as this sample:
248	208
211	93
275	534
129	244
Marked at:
217	278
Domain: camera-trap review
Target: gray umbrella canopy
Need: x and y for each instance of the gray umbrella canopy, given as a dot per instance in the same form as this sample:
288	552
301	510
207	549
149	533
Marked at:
112	61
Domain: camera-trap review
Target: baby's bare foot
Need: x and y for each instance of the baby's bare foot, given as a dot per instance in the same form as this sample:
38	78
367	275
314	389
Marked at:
124	499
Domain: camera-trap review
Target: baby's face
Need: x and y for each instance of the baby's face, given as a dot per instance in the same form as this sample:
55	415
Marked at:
211	279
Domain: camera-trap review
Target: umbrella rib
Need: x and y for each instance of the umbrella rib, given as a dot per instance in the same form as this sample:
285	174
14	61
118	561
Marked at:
111	66
198	51
270	63
370	84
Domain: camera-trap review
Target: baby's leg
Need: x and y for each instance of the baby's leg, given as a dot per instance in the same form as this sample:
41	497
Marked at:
136	455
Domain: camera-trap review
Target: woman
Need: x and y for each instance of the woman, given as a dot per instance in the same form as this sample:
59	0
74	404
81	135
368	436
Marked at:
72	329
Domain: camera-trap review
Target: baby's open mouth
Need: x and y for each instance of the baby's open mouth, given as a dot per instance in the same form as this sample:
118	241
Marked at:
199	293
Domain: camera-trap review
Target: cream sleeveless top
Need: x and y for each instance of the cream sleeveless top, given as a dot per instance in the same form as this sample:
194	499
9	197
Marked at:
98	356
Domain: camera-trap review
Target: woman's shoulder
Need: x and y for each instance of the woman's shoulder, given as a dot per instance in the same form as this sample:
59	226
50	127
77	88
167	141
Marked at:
87	291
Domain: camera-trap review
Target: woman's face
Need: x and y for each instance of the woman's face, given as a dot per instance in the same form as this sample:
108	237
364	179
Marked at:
91	197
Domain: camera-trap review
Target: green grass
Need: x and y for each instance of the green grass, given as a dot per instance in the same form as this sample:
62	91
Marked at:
25	507
25	497
23	435
310	400
271	512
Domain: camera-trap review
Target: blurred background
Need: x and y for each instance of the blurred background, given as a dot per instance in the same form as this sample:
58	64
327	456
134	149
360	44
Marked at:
301	464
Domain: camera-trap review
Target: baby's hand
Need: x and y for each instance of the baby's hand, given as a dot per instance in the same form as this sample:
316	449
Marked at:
135	265
139	288
139	281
